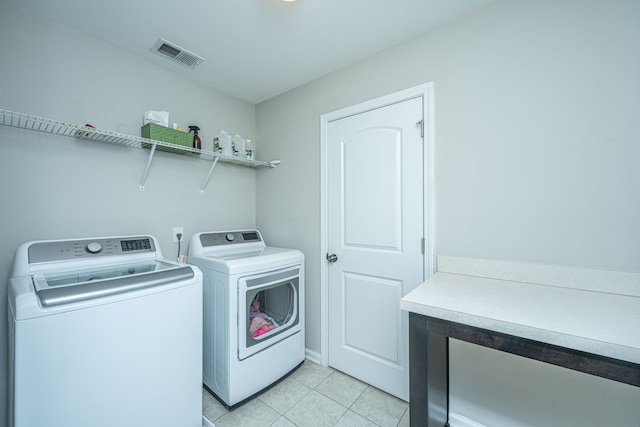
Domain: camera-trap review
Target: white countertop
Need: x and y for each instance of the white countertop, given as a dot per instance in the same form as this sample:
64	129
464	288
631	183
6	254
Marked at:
593	319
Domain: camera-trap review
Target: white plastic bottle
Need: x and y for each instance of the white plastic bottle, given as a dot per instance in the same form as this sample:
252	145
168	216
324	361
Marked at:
237	144
249	149
224	139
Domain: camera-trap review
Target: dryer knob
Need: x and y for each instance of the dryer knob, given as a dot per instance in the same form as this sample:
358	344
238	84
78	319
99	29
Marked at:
230	237
94	247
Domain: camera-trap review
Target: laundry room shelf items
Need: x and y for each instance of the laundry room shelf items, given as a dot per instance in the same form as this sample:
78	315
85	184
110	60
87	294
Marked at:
56	127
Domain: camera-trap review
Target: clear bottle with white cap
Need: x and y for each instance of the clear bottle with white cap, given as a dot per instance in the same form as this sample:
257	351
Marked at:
237	146
249	149
224	141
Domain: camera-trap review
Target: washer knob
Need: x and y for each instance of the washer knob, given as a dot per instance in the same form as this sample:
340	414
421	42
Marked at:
94	247
230	237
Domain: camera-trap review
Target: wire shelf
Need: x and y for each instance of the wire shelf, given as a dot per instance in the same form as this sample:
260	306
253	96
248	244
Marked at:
57	127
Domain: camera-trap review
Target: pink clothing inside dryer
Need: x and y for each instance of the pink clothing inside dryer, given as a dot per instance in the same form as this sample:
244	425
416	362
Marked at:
258	324
254	310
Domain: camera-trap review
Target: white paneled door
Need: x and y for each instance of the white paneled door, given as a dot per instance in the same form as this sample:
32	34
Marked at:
375	228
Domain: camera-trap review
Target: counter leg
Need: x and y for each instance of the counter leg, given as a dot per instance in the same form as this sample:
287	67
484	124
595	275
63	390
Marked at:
429	375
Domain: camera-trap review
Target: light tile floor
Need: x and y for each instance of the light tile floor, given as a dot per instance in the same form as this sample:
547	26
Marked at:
313	396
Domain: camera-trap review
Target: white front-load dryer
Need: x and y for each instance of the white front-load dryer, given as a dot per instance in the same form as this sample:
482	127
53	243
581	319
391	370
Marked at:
253	313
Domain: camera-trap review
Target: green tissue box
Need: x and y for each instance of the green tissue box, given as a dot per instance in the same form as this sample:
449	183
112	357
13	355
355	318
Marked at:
164	134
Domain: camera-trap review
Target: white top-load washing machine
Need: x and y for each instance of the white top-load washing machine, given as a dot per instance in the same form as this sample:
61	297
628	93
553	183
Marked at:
104	332
253	312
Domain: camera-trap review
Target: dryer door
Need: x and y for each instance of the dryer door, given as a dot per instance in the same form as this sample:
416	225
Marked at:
268	309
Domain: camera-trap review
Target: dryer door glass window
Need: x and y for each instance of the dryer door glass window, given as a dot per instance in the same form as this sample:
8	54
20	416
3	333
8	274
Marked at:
269	309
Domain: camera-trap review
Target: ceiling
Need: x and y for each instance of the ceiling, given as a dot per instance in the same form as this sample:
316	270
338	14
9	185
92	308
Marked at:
254	49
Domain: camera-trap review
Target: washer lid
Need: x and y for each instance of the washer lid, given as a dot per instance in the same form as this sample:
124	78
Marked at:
73	286
248	261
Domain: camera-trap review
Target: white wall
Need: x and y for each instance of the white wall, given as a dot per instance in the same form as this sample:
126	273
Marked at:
57	187
536	156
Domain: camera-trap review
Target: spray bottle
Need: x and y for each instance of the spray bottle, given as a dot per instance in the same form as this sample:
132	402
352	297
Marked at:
197	144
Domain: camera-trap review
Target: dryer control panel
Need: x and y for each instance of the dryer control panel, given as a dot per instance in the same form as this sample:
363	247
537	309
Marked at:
229	238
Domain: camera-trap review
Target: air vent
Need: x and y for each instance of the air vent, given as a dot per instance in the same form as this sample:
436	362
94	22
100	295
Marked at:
176	53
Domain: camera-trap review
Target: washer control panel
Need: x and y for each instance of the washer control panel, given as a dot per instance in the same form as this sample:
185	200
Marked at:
78	249
94	247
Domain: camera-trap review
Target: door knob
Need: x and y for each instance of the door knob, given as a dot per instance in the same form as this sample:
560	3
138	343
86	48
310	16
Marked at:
332	257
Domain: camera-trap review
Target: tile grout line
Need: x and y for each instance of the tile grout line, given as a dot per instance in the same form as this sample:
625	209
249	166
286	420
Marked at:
310	375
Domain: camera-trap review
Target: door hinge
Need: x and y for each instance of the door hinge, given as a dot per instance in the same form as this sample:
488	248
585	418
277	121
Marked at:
421	124
422	243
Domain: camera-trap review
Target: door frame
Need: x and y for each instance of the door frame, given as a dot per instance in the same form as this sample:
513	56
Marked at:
426	92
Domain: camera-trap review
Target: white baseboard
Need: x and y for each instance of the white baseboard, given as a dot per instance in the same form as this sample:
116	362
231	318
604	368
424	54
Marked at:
457	420
313	356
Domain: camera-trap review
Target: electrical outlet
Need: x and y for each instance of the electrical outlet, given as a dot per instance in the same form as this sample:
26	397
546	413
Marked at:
176	231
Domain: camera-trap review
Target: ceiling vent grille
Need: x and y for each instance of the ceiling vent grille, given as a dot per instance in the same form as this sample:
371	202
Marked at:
177	54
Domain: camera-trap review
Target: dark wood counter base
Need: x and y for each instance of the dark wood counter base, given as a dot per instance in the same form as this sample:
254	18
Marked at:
429	363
